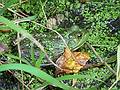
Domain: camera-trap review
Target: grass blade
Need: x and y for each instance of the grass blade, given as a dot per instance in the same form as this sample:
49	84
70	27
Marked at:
29	18
17	58
40	59
37	72
118	63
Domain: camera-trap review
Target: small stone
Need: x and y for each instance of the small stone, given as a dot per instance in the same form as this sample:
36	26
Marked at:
3	48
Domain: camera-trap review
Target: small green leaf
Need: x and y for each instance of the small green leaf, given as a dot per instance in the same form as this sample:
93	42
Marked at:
17	58
39	61
82	41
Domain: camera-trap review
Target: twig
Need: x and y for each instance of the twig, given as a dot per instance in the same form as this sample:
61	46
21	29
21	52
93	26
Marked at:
19	21
25	15
101	58
113	85
18	40
30	82
100	45
19	51
15	13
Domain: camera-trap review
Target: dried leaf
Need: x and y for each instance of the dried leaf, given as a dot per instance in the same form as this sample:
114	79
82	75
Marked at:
5	31
71	62
4	28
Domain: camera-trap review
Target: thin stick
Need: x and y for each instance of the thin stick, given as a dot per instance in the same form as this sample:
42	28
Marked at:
19	51
101	58
30	82
113	85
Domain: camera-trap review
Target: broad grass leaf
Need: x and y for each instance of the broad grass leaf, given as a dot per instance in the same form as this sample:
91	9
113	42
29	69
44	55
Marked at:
37	72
